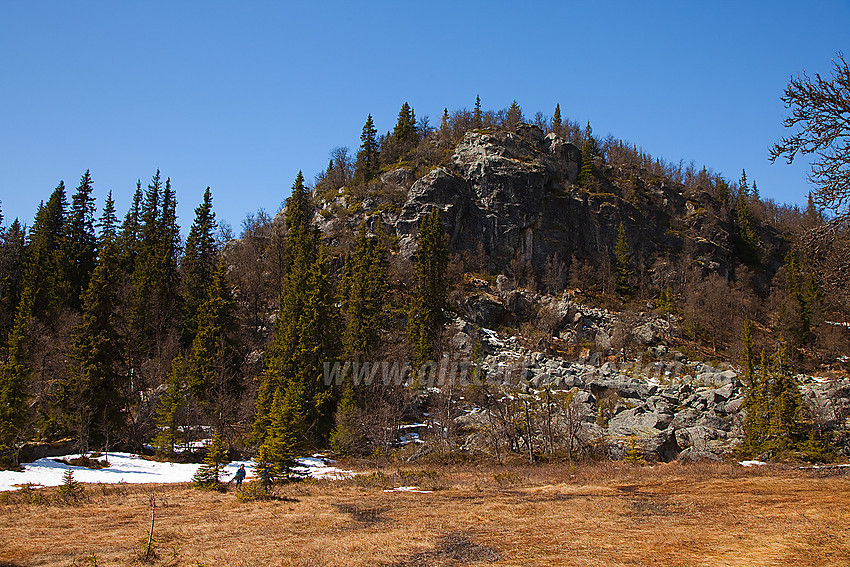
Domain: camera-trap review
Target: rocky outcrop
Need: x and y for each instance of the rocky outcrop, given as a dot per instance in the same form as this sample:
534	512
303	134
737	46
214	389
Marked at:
663	410
512	194
509	196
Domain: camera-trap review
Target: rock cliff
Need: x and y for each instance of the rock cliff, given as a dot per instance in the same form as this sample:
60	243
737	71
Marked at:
508	195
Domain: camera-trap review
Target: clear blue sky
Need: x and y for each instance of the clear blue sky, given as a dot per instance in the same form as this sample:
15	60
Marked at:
239	96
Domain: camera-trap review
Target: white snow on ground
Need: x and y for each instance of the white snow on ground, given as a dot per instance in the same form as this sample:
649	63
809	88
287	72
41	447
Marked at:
132	469
320	467
751	463
409	489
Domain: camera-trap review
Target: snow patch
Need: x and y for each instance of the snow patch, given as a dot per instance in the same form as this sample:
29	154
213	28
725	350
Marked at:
751	463
320	467
133	469
409	489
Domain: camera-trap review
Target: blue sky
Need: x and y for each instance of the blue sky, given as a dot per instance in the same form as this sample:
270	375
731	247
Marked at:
240	96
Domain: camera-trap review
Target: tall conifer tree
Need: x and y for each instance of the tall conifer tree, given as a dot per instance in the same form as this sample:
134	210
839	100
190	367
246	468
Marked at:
365	281
199	263
45	273
15	375
368	157
477	120
155	297
213	363
12	268
623	263
306	331
589	149
131	231
430	291
79	242
556	120
91	397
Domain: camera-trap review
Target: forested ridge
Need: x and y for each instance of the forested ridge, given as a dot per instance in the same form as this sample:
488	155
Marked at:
118	332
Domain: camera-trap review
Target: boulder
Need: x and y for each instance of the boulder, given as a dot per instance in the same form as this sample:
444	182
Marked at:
698	436
685	418
637	422
484	310
660	447
734	405
724	393
618	384
715	422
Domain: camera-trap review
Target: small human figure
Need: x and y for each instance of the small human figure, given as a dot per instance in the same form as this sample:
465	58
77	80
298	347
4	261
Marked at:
239	476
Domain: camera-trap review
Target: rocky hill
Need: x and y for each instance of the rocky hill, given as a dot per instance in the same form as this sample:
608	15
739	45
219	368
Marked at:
511	199
509	195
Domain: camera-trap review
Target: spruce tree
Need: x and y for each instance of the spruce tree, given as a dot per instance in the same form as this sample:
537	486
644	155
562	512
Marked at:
214	361
405	128
199	263
623	264
804	298
556	120
70	489
155	299
307	329
45	272
589	149
745	222
79	242
776	424
285	435
757	411
365	282
43	290
12	268
208	474
513	118
477	121
14	379
170	409
430	291
348	437
131	230
91	396
368	157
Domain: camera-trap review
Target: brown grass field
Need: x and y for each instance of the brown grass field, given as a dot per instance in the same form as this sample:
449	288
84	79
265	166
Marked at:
599	514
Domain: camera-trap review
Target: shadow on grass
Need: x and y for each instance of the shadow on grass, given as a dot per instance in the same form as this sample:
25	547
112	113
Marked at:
452	549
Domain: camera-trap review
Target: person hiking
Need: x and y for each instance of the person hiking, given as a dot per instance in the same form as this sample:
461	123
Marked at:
239	476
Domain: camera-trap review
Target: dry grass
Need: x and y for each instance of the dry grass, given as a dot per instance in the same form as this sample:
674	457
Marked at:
603	514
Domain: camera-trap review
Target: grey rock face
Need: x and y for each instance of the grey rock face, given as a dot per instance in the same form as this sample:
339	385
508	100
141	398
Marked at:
514	193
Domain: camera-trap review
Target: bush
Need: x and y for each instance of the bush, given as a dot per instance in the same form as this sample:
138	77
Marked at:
70	490
253	491
207	476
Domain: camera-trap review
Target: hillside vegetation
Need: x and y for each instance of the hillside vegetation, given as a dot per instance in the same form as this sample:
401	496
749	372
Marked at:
493	240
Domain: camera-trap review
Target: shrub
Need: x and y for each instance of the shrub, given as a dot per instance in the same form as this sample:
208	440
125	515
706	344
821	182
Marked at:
70	490
207	476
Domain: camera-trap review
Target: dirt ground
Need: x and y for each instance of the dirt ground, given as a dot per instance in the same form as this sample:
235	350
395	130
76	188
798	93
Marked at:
599	514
